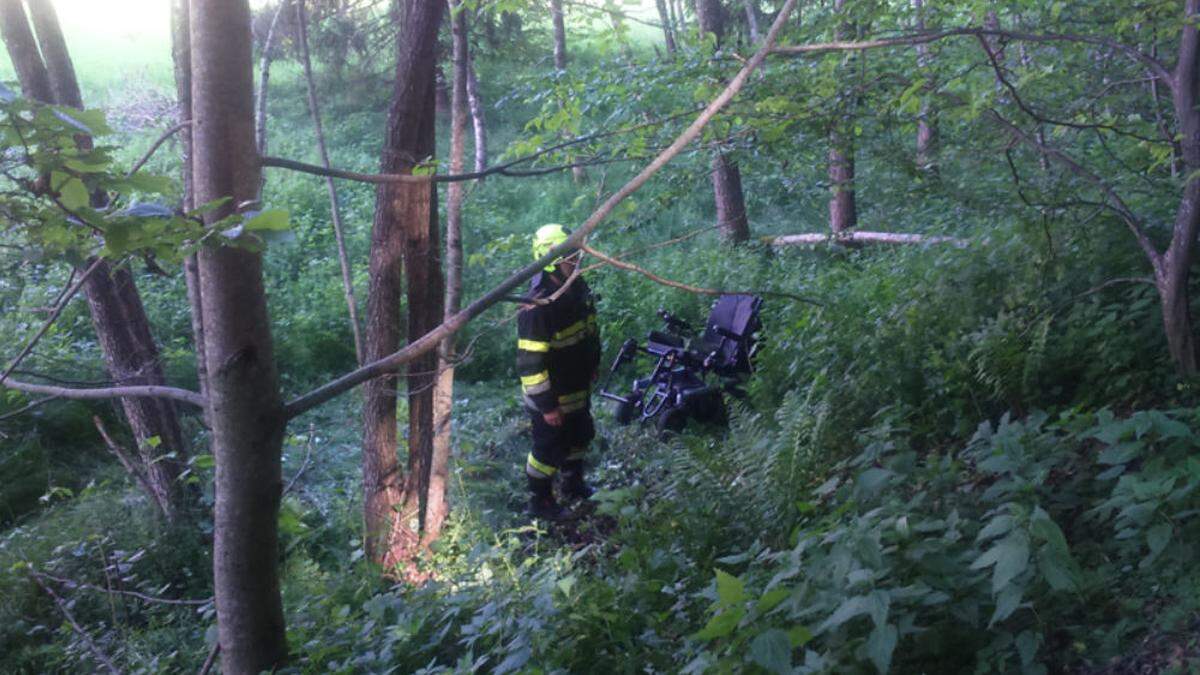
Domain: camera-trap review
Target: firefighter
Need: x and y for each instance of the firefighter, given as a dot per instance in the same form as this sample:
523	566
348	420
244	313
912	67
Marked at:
558	352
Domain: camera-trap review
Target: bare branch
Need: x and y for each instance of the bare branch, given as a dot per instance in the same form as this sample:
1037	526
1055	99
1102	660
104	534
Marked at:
687	287
87	639
26	408
132	468
1118	204
103	393
455	323
1154	65
58	310
505	169
137	166
71	583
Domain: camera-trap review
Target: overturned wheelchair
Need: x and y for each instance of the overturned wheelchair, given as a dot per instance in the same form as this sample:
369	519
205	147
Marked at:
692	372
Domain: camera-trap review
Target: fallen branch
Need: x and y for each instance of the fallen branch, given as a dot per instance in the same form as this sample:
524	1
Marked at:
455	323
87	639
859	237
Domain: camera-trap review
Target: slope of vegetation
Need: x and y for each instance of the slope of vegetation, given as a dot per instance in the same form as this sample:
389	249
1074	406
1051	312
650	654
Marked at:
950	459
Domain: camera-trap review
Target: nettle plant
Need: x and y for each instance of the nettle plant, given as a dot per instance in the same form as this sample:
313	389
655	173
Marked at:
65	196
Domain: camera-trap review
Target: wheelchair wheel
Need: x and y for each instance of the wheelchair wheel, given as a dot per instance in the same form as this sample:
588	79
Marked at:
671	421
624	412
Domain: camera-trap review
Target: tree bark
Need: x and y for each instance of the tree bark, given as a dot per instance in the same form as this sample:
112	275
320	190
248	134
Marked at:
23	51
54	50
244	402
560	35
437	507
726	177
264	80
664	17
181	53
478	121
335	207
731	204
926	123
1173	271
404	231
751	19
118	316
710	15
843	207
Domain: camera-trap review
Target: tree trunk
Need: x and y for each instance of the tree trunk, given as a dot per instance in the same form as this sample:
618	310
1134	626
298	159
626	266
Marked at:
437	507
710	14
926	124
63	82
843	208
335	207
244	402
751	19
264	80
665	18
560	35
478	121
726	177
181	54
1173	271
404	231
122	329
731	204
23	51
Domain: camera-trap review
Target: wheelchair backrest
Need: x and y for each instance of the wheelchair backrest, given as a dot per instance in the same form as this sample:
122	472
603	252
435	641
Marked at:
730	331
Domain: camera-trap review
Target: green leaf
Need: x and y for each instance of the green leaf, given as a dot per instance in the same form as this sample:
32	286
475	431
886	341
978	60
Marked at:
997	526
799	636
771	599
1006	603
773	651
720	625
730	589
146	182
1010	556
880	646
71	191
204	461
1058	570
1158	537
850	608
1027	644
269	220
1045	529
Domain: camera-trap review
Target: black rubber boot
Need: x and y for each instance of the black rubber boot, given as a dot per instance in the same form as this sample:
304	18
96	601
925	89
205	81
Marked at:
573	484
542	504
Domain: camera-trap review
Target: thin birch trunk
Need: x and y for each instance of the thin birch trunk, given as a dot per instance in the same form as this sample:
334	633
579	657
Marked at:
443	399
478	120
335	209
264	80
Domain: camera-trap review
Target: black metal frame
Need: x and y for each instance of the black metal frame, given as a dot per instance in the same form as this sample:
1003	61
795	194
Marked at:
691	371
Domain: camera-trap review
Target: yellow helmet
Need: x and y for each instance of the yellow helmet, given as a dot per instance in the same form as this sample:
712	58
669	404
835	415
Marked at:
547	237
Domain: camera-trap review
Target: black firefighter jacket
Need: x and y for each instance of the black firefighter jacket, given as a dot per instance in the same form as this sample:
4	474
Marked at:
558	346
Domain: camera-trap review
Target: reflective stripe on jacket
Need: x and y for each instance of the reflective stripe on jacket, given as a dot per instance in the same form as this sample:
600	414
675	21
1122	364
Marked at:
558	345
